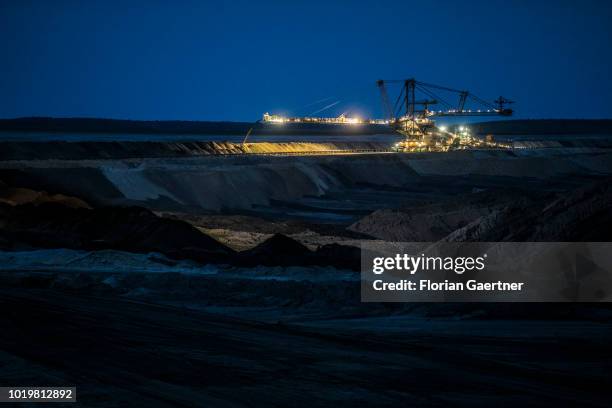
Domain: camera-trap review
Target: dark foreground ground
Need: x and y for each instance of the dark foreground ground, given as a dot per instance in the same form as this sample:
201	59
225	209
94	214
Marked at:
128	353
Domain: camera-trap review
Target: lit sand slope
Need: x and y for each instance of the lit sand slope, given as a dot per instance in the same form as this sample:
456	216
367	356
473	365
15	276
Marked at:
297	147
80	150
276	148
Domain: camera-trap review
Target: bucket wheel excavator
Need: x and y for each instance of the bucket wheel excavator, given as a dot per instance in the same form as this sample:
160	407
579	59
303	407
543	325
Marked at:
412	115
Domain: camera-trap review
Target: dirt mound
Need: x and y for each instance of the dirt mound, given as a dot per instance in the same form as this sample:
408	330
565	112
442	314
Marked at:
133	229
279	249
408	226
282	250
18	196
576	214
581	215
432	221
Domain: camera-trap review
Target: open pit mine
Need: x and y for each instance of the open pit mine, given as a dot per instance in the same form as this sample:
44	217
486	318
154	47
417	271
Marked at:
173	254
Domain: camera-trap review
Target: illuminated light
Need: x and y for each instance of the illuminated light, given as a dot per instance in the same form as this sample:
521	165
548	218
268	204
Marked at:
443	128
461	128
342	119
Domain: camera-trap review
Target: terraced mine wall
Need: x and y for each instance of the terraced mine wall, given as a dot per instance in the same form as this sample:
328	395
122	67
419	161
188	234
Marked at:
82	150
170	176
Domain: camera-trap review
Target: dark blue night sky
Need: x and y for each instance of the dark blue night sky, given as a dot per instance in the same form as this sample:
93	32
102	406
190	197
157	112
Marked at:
234	60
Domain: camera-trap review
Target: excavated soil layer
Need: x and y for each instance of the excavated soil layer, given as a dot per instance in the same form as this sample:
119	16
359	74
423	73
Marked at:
78	150
219	182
